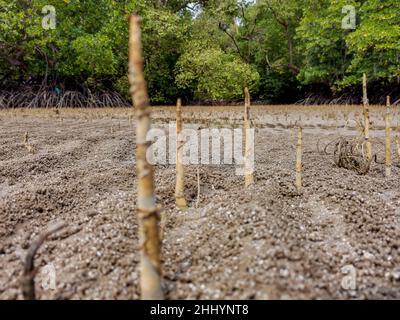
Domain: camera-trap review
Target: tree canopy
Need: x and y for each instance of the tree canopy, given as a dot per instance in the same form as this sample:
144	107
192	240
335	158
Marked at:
200	50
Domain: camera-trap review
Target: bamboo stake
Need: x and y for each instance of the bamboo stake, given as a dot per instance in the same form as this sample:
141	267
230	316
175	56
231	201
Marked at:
28	146
397	134
180	183
366	118
388	130
198	188
150	244
398	141
26	138
398	144
298	158
249	178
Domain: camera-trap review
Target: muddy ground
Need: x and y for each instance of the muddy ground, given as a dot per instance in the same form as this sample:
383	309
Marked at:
264	242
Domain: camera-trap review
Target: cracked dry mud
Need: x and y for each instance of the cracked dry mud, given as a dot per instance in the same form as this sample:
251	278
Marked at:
265	242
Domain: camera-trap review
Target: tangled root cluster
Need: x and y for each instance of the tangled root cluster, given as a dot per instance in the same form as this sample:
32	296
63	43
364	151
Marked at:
349	154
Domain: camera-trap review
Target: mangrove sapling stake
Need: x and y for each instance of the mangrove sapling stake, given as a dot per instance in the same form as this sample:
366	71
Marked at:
180	183
388	130
366	119
248	166
398	142
149	237
28	146
298	158
198	188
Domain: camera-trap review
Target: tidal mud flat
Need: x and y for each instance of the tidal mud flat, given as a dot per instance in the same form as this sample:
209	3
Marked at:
339	239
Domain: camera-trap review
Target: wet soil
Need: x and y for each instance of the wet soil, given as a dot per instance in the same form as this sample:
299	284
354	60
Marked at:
264	242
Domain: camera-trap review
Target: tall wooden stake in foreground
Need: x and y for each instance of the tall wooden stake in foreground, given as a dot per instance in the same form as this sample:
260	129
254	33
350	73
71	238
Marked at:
388	138
180	184
248	166
398	142
298	158
150	264
366	118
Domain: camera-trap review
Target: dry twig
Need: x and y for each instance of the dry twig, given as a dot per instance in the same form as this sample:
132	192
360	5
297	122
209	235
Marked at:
28	277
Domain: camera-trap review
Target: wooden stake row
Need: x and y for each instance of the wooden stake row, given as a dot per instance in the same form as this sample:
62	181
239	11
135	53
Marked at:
149	234
388	130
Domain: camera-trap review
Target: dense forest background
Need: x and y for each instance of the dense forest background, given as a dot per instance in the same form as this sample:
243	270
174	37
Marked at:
285	51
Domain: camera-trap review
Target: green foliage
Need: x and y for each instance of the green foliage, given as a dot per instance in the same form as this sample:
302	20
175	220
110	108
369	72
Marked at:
338	57
322	41
214	74
90	42
203	49
375	44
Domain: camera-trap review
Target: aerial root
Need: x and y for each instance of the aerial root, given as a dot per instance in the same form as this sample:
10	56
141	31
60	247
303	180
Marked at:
349	154
46	98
